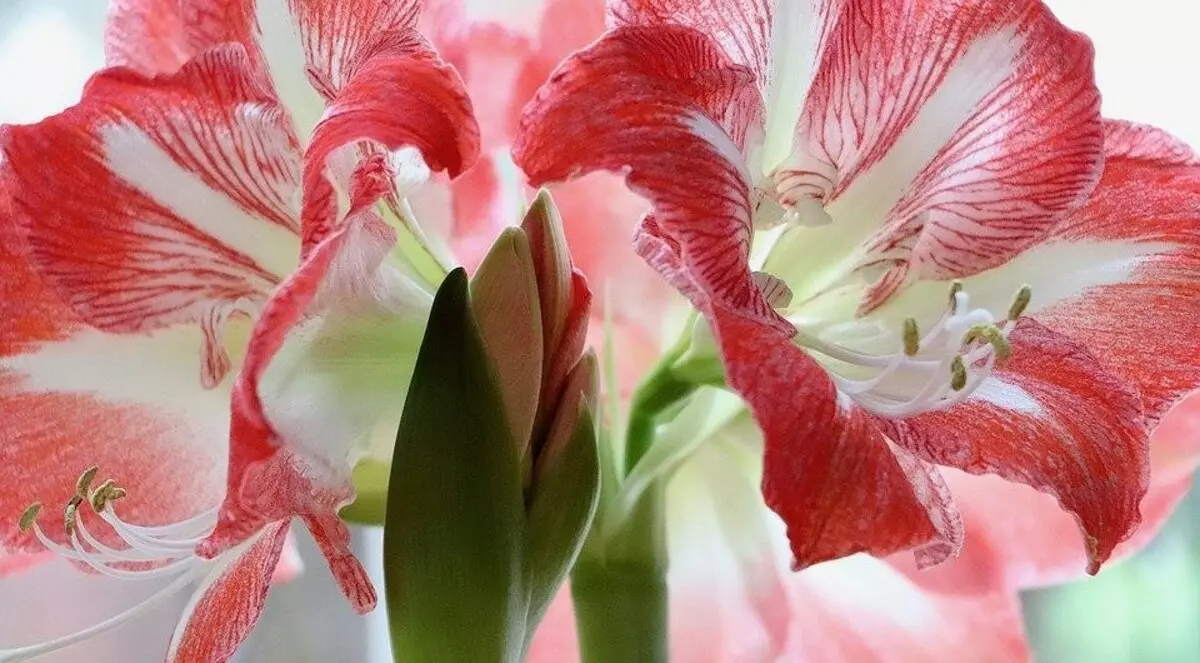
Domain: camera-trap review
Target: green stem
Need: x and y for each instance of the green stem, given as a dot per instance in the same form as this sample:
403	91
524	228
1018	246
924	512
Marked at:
619	589
621	613
660	392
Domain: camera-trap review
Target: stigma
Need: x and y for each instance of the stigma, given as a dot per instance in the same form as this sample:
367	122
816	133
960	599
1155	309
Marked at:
927	370
128	552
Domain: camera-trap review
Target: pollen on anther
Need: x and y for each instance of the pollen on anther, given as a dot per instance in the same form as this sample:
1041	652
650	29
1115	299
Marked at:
955	288
958	373
993	336
1020	302
28	516
912	337
107	492
70	516
84	483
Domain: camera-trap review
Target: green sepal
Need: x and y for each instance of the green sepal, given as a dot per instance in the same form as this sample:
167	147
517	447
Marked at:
454	534
560	515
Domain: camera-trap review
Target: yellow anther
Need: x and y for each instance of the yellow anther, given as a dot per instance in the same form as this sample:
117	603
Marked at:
84	483
912	337
100	496
1020	302
992	335
955	288
29	515
70	516
958	373
107	492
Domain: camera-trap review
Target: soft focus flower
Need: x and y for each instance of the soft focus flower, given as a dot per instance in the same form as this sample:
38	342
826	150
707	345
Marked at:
928	293
203	300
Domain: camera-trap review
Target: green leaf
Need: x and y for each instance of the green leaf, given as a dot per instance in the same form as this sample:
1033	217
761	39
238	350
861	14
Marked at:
454	532
560	515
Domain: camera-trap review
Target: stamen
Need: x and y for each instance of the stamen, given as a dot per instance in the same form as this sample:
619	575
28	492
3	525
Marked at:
84	483
142	552
29	516
955	288
1020	302
912	337
71	513
931	370
958	373
994	336
108	491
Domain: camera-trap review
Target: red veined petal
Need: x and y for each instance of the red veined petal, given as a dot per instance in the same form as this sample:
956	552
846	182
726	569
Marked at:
160	200
838	484
1129	297
400	94
72	397
978	129
565	26
276	473
1052	417
153	36
1142	317
311	48
229	601
654	103
742	28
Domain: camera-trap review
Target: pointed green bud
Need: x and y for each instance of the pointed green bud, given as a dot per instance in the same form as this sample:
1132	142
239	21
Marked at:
504	296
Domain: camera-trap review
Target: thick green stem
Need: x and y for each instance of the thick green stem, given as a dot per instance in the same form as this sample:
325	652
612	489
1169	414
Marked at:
621	612
619	588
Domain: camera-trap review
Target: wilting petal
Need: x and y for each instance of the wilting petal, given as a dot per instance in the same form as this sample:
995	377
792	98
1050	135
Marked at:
1052	417
979	127
163	200
829	473
651	102
400	95
154	36
229	601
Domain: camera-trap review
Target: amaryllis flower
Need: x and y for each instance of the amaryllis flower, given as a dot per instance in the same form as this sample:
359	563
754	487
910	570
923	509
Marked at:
732	596
927	294
206	311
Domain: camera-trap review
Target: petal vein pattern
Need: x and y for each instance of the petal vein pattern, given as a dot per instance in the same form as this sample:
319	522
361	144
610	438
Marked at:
171	199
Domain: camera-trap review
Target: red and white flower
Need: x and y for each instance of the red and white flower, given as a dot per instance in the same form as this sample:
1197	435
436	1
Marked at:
889	214
205	295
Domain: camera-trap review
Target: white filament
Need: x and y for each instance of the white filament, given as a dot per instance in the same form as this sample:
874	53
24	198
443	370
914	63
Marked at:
153	551
930	366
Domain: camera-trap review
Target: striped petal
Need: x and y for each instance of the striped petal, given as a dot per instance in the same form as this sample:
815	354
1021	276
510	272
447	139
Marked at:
979	128
653	103
329	359
160	200
1055	419
1116	277
399	97
72	397
838	484
311	48
228	601
153	36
